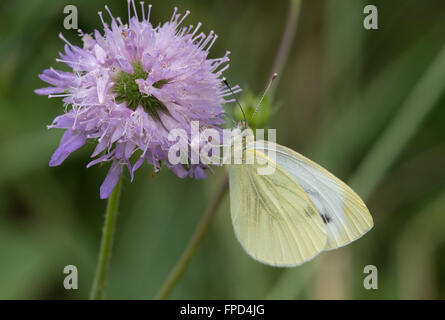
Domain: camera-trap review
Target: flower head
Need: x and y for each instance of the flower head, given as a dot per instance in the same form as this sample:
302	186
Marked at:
130	86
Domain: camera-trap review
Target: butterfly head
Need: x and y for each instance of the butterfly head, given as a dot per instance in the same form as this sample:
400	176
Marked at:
242	125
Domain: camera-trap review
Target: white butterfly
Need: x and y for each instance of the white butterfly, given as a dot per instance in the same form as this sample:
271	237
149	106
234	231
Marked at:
290	216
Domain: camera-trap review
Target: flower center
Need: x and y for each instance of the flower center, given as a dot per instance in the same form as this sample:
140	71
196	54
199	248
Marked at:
127	90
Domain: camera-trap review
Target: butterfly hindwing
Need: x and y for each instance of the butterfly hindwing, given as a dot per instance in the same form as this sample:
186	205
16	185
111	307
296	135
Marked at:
273	218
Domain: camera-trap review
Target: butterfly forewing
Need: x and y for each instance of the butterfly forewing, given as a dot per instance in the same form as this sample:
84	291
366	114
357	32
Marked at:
344	213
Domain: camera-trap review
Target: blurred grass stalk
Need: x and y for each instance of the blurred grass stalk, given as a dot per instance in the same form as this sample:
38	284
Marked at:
394	139
416	274
203	225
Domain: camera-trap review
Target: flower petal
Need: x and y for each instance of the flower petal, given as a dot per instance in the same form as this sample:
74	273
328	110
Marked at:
111	180
102	84
179	170
71	141
125	64
136	166
49	90
100	54
99	160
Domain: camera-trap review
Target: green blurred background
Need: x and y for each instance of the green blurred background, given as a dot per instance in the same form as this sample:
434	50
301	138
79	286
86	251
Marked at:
367	105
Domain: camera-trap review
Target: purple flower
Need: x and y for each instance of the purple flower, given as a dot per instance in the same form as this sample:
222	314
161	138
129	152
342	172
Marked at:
129	87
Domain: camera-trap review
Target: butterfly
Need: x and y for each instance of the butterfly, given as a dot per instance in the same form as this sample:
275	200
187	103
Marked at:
288	217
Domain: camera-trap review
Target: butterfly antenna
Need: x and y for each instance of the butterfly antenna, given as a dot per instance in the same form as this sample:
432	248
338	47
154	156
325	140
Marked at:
224	80
264	94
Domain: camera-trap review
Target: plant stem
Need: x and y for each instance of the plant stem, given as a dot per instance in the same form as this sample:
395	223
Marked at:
194	242
98	289
286	40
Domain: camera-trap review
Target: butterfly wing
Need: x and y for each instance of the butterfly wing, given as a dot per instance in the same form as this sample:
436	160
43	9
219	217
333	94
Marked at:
274	220
344	213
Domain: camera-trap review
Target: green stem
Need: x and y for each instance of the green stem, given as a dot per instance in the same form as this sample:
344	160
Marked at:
286	40
194	242
98	289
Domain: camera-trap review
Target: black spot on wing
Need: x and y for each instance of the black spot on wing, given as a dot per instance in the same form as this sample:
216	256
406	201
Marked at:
326	218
